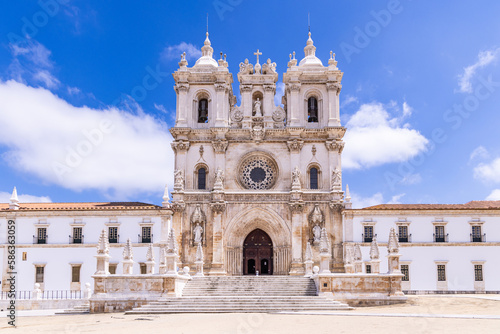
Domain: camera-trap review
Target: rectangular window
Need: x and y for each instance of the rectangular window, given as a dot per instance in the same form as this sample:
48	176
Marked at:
113	235
112	268
403	233
313	173
42	235
405	270
143	268
368	235
441	268
39	270
476	233
25	256
146	234
439	233
368	268
478	272
75	273
77	235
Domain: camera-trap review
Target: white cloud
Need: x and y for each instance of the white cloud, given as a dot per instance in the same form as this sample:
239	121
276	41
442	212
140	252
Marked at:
31	61
363	202
280	91
480	153
175	51
348	100
488	172
411	179
484	58
161	108
117	152
73	90
373	138
407	110
395	199
24	198
494	195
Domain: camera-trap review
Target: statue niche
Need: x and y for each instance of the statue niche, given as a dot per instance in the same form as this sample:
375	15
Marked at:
316	223
198	225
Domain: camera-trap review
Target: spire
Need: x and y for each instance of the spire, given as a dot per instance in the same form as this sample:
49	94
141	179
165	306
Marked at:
323	242
310	58
127	251
347	194
103	244
358	256
171	244
374	252
308	254
393	245
207	51
150	254
166	197
14	200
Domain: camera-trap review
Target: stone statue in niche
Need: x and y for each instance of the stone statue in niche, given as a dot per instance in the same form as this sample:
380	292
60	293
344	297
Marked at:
198	234
257	108
317	233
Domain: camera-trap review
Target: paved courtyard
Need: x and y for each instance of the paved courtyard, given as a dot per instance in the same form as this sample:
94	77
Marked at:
422	314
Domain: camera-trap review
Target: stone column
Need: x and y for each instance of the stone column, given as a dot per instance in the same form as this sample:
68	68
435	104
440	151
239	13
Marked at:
218	267
177	221
220	120
295	105
268	109
182	104
333	104
324	253
246	105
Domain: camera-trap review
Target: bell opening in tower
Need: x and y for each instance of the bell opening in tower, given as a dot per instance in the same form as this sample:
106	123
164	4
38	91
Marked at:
312	110
203	111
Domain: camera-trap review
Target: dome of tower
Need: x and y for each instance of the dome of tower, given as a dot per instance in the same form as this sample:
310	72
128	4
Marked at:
310	58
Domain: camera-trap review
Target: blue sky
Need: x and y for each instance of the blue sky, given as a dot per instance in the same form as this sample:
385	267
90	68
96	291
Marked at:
420	97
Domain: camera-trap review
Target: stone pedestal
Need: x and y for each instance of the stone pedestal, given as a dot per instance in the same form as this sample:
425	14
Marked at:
102	264
171	267
128	267
375	264
324	264
199	269
150	267
393	263
358	266
309	268
349	268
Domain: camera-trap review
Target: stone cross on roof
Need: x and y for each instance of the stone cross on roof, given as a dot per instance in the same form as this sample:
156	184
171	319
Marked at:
257	54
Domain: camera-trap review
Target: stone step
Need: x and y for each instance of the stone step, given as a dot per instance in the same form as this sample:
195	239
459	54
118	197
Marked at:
78	309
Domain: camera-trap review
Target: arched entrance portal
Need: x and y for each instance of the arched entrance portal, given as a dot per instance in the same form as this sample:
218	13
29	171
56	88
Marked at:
258	253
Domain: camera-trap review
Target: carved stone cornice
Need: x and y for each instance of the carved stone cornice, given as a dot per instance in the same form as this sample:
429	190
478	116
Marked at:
336	206
294	146
220	145
269	88
334	86
245	88
181	87
294	87
180	145
218	207
296	207
220	87
178	207
335	145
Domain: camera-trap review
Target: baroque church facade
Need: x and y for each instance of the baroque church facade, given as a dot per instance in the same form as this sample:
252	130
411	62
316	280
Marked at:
258	182
257	191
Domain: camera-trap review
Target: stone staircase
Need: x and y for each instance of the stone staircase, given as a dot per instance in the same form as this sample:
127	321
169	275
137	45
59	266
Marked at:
78	309
238	294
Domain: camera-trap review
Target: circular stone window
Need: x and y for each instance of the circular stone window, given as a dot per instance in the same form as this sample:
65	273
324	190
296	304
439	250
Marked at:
258	172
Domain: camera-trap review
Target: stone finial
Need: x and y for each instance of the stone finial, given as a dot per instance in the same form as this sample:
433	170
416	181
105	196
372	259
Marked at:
393	245
374	251
103	244
323	242
358	256
14	200
127	251
347	194
166	197
317	216
171	243
308	255
199	253
150	254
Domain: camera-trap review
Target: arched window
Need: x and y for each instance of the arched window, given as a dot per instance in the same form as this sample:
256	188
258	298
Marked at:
313	178
312	110
202	178
203	111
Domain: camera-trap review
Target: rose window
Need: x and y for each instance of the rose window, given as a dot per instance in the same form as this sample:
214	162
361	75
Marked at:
258	172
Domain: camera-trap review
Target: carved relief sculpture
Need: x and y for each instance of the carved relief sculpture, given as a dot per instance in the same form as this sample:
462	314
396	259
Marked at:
336	179
178	180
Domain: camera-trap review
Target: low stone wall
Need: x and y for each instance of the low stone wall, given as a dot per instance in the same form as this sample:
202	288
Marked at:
118	293
42	304
361	289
